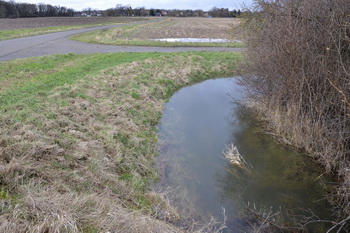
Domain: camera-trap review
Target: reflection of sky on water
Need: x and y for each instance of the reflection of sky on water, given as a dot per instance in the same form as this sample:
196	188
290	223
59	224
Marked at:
196	40
196	125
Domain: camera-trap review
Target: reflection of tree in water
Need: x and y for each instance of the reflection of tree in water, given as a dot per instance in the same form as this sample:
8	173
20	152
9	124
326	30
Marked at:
194	137
174	174
232	180
279	178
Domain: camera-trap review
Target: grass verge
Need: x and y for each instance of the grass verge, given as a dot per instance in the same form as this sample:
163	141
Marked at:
141	35
78	138
18	33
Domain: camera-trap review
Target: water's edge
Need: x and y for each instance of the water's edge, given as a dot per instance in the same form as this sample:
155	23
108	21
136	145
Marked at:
197	124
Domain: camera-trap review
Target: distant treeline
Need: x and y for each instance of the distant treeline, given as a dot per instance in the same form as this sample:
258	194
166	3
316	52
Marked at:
127	10
11	9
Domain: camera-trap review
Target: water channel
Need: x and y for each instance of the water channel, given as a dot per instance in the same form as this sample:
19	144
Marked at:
196	40
198	123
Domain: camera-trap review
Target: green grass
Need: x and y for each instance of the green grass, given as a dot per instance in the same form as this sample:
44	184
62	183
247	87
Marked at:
78	133
23	80
18	33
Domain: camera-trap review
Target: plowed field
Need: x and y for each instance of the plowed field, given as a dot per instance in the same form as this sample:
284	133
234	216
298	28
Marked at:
187	28
26	23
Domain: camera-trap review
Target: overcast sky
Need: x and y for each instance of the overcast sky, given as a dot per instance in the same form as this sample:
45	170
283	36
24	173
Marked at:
161	4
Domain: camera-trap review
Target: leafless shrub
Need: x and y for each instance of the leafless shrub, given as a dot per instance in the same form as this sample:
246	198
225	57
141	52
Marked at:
298	63
261	219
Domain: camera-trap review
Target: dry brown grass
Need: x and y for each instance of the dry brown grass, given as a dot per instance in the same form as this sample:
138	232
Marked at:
71	212
82	163
234	157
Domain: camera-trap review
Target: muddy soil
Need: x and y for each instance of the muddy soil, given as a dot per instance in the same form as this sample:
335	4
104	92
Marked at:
24	23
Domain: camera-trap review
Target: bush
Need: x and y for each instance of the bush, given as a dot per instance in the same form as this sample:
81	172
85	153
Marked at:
298	61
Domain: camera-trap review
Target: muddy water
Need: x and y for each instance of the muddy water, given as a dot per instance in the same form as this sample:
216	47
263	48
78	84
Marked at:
197	124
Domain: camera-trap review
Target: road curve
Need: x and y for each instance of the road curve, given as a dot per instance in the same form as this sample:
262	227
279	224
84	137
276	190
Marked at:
58	43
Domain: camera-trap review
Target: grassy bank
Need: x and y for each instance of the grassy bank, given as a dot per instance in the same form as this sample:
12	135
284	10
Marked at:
78	138
14	28
144	35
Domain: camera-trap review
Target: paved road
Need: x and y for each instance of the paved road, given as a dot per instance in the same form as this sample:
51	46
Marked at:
58	43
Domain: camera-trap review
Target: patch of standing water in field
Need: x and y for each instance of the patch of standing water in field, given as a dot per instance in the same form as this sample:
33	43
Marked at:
197	124
196	40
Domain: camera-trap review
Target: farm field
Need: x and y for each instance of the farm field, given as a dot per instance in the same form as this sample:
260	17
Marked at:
214	28
22	27
78	133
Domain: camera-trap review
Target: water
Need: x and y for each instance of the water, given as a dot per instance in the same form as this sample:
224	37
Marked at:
196	40
197	124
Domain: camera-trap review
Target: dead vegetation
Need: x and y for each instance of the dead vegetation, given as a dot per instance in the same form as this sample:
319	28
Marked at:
234	157
187	28
298	63
214	28
83	160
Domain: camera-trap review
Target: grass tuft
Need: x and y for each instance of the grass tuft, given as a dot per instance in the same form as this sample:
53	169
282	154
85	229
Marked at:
234	157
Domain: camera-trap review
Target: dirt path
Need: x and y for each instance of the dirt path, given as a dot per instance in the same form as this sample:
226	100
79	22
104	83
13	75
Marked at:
58	43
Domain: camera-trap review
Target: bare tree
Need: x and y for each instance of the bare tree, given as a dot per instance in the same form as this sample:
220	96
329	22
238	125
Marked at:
11	9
